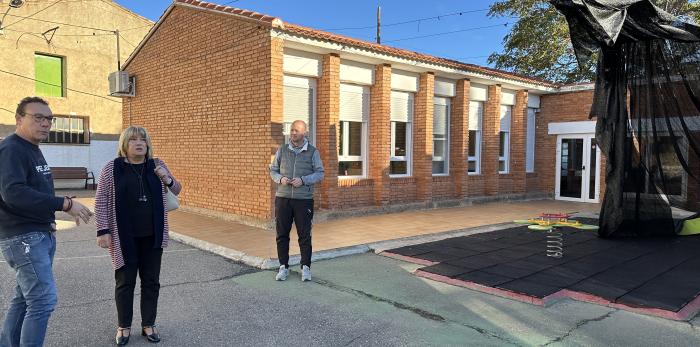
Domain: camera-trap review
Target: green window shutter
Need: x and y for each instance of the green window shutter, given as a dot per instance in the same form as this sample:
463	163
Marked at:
48	75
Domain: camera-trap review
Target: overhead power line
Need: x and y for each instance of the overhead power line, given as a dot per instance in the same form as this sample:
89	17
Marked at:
448	32
75	25
55	85
438	17
33	14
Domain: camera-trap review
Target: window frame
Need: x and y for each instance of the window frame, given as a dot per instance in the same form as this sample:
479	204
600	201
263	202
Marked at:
477	151
364	132
408	158
63	75
85	131
506	142
446	157
310	83
530	140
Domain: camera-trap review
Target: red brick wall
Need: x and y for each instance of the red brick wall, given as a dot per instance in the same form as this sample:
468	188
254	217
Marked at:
443	187
423	137
327	128
204	92
459	138
563	107
355	193
402	190
490	140
380	134
214	111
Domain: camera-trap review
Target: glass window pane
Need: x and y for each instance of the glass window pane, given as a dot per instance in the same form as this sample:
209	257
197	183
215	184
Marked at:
350	168
398	168
502	144
341	147
439	167
472	143
439	148
355	139
400	139
501	165
471	165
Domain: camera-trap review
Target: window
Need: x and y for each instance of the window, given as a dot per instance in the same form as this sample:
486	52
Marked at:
530	138
401	118
476	111
441	135
354	113
69	130
48	72
299	104
504	140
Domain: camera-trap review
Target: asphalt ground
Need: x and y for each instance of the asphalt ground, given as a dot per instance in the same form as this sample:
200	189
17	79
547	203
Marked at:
360	300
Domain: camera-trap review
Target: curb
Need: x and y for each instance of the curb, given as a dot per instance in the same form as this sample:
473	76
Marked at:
375	247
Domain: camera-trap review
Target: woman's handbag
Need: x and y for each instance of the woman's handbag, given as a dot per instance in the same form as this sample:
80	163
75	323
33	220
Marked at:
172	202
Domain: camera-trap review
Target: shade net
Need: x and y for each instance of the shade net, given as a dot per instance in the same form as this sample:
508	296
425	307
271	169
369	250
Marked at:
647	108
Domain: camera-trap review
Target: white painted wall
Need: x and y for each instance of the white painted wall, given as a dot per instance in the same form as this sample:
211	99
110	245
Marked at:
93	156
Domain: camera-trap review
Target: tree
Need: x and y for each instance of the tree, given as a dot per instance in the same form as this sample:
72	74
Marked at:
538	44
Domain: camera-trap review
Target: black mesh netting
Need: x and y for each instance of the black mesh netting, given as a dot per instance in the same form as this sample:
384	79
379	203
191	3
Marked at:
647	104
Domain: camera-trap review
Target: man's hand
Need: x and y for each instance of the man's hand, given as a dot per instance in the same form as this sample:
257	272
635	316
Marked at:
297	182
104	240
285	181
79	211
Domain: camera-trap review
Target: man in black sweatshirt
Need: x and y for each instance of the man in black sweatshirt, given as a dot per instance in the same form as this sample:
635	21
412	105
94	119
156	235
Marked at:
27	224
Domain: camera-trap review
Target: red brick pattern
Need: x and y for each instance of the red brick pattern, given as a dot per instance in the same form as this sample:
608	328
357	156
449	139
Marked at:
215	108
380	133
327	128
208	108
459	139
490	141
423	137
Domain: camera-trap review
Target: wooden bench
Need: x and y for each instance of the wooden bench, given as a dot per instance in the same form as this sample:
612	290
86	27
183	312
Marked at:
73	173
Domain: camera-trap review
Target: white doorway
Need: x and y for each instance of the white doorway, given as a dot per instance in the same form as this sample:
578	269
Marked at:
577	168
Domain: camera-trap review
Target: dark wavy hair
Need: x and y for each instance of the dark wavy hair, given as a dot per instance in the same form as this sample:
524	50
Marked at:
22	106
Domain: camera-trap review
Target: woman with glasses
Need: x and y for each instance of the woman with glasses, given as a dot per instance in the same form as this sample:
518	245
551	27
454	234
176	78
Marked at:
132	221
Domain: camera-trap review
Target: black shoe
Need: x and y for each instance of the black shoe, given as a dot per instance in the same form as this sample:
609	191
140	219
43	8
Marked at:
153	337
122	340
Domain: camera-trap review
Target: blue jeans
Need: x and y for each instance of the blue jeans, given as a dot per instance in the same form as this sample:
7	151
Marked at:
31	256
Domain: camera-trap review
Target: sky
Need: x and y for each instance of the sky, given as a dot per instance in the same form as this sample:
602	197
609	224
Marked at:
483	35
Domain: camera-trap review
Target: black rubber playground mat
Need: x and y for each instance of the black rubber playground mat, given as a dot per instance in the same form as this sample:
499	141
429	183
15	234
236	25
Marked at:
661	273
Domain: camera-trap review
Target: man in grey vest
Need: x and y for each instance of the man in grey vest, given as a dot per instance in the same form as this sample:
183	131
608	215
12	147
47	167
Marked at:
296	169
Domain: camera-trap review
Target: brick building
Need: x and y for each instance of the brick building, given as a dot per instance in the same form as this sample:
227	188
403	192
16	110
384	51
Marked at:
63	52
396	129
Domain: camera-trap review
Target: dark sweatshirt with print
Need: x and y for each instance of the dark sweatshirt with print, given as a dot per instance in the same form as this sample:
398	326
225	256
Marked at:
27	197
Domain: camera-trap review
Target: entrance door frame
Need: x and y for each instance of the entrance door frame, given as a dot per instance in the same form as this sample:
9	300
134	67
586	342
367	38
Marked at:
585	184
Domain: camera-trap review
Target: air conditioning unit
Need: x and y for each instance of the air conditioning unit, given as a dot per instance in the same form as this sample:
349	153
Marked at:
120	84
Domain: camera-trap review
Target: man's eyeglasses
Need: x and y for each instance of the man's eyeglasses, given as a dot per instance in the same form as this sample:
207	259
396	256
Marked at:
39	118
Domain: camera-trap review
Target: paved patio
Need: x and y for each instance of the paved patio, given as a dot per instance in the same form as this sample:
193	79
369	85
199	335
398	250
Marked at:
256	246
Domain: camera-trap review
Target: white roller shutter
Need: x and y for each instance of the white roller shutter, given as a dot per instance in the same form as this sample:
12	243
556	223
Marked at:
505	118
354	103
476	110
401	106
440	107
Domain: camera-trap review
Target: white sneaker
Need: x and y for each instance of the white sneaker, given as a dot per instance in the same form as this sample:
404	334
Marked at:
305	273
282	274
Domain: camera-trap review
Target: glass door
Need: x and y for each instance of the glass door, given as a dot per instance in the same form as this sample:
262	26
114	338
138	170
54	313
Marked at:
578	163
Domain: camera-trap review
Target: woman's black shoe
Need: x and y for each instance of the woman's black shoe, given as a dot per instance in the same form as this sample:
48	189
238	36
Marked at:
153	337
122	340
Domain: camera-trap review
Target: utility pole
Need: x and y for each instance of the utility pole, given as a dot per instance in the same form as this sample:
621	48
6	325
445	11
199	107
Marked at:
119	59
379	24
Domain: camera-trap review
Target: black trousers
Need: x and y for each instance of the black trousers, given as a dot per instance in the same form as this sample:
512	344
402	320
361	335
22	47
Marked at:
148	268
301	212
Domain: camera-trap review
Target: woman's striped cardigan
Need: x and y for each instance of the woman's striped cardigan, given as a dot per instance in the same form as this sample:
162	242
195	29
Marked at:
106	213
